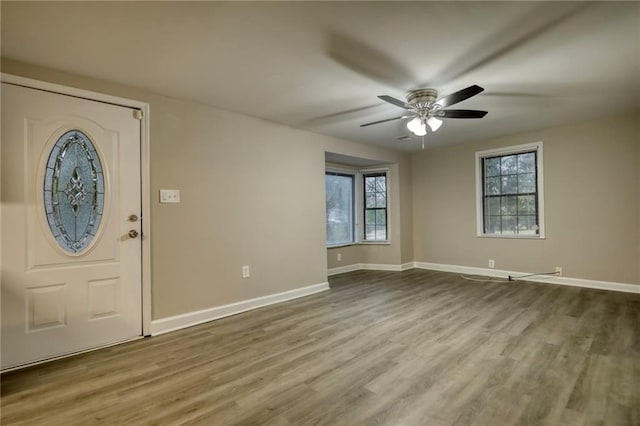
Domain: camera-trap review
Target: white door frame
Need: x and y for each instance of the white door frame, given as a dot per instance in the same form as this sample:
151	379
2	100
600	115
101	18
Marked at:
144	170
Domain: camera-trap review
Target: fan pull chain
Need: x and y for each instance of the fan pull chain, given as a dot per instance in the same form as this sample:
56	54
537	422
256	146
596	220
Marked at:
422	141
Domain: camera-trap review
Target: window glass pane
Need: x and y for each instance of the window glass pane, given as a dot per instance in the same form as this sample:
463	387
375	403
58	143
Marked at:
381	217
339	209
381	200
381	232
369	184
492	186
492	166
526	205
509	224
492	206
526	162
381	184
508	166
492	224
527	225
370	217
370	200
370	232
510	184
338	233
527	182
509	205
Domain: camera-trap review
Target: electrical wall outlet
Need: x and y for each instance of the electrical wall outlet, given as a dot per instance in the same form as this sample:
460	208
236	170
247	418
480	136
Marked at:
492	263
245	271
559	271
339	257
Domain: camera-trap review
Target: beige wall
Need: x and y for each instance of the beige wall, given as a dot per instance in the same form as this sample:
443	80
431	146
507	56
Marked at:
237	205
351	255
406	214
592	204
252	194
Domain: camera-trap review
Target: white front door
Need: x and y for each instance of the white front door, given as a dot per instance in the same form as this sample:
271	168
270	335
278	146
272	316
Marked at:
70	209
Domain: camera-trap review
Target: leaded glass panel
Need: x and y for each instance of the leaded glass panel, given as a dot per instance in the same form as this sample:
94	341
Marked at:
74	191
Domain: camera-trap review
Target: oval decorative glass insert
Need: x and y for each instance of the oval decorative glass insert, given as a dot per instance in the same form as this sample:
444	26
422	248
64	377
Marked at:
74	191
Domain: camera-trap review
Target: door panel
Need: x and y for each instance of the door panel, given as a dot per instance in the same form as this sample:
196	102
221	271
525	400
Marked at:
76	284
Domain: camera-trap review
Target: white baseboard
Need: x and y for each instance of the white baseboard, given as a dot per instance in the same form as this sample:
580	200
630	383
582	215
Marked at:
407	266
574	282
343	269
369	267
499	273
380	267
165	325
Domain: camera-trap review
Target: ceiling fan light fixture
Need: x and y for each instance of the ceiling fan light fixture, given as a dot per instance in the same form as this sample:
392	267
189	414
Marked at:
427	110
434	123
417	127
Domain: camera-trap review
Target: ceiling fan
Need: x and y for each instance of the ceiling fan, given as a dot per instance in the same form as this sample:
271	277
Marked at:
427	110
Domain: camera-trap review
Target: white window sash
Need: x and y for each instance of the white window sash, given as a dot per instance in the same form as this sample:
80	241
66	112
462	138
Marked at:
516	149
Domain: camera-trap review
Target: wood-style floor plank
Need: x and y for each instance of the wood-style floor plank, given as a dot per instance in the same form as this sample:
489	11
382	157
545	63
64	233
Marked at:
380	348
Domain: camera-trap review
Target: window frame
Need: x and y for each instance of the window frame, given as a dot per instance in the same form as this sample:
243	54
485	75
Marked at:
359	203
354	185
509	150
374	173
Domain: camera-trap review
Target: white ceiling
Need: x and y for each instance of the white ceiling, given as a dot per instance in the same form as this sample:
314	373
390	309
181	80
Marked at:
320	65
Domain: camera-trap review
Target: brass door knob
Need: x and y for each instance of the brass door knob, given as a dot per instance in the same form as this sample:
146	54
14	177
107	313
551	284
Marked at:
133	233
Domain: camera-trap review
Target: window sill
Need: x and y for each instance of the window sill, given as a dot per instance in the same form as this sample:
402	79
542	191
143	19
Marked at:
514	237
365	243
341	245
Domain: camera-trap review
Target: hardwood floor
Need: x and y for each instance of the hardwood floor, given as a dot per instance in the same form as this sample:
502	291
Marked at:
399	348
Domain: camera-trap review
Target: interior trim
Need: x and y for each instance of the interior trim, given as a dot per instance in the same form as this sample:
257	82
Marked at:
498	273
573	282
369	267
178	322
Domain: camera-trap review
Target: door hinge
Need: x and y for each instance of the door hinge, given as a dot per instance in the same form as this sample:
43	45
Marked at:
137	114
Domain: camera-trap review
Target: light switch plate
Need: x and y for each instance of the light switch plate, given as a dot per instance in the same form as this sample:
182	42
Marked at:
169	195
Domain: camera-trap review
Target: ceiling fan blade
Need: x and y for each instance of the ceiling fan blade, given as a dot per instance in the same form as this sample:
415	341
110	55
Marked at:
537	23
368	61
461	113
394	101
336	117
459	96
384	121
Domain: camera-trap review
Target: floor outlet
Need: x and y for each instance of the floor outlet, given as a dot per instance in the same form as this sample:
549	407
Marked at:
245	271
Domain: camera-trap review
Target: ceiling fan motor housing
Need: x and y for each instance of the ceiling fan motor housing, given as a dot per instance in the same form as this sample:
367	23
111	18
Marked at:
422	98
